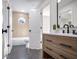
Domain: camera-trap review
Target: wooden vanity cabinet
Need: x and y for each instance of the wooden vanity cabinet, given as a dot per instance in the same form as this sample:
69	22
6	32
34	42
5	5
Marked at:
60	47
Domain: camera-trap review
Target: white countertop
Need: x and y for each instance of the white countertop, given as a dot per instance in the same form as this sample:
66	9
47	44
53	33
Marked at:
62	34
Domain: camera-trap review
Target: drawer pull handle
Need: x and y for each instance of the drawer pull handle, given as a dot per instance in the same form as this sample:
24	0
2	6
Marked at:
49	40
67	46
63	56
49	49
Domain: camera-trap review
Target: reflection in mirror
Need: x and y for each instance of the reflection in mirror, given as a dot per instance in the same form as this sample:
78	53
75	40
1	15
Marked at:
67	14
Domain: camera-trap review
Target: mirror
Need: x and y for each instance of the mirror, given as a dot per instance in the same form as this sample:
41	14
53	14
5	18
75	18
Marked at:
67	10
65	16
21	20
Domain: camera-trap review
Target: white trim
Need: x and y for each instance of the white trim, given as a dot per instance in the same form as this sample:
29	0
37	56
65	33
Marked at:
1	20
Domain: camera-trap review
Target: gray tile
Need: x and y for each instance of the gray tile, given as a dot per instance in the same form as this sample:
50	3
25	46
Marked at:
20	52
35	54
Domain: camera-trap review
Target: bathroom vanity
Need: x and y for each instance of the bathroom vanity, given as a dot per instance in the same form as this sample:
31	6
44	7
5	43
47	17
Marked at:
60	46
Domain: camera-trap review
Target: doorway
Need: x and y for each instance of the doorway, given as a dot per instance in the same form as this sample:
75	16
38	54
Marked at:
26	26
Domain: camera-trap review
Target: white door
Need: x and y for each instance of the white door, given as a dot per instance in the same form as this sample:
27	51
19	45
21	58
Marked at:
35	23
6	30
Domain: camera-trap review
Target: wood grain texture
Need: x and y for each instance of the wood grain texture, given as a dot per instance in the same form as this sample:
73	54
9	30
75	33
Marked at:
65	47
20	30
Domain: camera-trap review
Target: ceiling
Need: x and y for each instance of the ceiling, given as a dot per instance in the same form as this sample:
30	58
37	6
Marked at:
65	2
25	5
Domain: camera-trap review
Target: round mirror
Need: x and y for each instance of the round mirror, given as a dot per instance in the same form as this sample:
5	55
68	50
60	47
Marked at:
21	20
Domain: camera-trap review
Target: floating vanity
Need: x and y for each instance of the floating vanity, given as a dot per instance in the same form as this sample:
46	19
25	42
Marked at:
60	46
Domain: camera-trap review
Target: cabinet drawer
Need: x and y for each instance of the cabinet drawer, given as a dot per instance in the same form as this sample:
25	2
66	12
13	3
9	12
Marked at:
60	52
52	53
62	40
45	37
62	47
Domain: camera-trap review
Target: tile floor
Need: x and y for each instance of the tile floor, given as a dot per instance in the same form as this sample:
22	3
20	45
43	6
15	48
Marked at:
20	52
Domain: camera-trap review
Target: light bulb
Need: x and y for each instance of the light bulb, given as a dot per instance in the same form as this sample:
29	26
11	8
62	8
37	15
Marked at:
59	1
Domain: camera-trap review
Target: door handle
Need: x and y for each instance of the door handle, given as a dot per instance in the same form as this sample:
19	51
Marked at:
4	31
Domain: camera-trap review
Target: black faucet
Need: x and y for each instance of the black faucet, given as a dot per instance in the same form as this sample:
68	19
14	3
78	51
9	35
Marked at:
71	26
66	25
74	31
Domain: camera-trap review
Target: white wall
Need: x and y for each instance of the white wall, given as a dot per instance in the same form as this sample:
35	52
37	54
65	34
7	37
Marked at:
46	19
46	24
35	34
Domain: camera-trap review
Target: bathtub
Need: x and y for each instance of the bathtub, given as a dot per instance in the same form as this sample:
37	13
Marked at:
21	41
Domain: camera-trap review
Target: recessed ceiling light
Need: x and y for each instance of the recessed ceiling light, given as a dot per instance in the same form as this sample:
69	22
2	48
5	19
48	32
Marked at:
59	1
33	9
22	10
